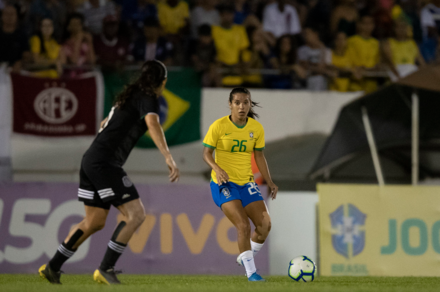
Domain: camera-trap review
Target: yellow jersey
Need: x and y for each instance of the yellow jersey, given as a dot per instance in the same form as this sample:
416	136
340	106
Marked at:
172	19
363	52
404	52
342	62
234	146
230	43
52	53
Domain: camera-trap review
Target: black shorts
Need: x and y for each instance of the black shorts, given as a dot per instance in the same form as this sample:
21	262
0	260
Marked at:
103	185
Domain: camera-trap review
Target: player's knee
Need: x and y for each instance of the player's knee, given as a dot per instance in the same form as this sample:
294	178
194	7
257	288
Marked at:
137	219
244	228
95	226
264	228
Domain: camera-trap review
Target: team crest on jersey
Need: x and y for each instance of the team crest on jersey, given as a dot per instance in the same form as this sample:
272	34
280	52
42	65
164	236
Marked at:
127	182
251	134
226	193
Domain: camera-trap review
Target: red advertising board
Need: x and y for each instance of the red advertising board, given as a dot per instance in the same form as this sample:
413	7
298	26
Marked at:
54	107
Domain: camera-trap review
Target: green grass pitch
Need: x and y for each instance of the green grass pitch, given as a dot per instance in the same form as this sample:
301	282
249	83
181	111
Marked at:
144	283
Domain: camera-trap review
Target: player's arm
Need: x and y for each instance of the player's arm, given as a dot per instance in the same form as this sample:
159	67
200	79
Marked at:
260	159
159	140
222	176
103	122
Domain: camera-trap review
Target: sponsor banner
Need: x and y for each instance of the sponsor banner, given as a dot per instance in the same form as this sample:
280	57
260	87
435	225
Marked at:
379	231
55	107
184	233
179	105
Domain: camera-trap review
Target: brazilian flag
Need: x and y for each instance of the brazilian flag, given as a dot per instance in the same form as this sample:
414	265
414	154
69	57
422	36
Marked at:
179	104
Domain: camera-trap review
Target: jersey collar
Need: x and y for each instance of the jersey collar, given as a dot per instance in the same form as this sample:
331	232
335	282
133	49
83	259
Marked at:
240	127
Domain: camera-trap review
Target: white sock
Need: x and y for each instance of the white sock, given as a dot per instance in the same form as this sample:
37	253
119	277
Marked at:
256	247
248	261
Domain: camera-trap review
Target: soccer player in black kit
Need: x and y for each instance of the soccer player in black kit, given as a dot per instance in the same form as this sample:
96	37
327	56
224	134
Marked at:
103	182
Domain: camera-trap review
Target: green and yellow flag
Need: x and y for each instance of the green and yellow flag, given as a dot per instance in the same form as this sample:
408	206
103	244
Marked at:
179	105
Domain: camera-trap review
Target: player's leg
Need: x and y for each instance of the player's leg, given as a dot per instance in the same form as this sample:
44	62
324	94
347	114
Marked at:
237	215
126	199
134	214
255	208
93	221
258	213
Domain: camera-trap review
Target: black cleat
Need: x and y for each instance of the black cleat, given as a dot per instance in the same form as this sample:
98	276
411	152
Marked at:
47	273
106	277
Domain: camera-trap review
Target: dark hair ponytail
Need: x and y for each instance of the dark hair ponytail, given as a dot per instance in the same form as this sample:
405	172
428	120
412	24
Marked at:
153	73
236	90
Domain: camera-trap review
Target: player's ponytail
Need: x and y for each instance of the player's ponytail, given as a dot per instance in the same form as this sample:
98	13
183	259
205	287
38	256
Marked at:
153	73
251	113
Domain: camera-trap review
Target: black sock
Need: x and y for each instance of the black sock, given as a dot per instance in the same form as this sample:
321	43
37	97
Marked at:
114	251
61	256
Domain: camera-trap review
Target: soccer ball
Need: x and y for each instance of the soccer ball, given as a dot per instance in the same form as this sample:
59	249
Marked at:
302	268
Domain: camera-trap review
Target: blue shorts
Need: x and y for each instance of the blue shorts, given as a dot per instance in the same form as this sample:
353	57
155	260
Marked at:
230	191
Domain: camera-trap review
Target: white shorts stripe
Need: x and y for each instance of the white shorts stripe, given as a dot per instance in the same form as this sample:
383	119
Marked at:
106	195
105	190
85	191
86	194
65	251
116	247
85	197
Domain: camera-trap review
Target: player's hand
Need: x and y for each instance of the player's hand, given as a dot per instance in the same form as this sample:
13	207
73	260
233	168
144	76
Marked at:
273	190
174	171
222	176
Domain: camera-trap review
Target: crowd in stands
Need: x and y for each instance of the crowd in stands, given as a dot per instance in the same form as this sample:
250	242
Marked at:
344	45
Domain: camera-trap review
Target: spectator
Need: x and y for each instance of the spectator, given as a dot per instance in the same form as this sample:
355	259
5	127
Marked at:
205	13
430	20
14	46
411	10
280	18
110	48
134	13
242	11
46	51
401	53
319	16
285	60
174	21
344	18
94	12
258	56
53	9
342	65
245	16
77	47
203	57
173	16
364	51
313	57
383	18
151	46
230	41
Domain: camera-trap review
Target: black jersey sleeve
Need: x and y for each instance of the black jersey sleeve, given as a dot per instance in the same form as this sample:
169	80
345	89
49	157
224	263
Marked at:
146	104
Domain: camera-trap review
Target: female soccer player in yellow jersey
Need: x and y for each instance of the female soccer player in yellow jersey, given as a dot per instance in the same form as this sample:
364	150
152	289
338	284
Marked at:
233	189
